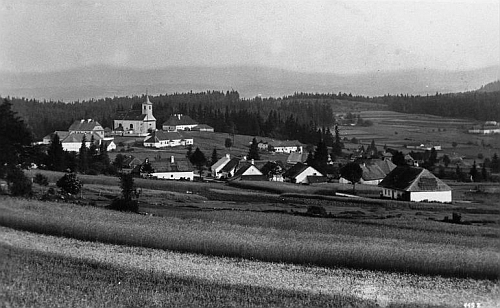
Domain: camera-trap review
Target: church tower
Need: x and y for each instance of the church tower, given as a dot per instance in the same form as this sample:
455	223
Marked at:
149	121
147	109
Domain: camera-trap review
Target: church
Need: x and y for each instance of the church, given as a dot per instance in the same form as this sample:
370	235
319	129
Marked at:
135	122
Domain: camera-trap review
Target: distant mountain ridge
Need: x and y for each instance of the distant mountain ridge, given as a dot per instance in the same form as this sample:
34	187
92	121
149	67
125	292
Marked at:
249	81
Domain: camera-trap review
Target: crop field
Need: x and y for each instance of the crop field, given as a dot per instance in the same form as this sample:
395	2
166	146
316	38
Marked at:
40	270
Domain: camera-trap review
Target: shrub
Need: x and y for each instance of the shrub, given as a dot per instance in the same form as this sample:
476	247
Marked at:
124	205
19	183
41	179
70	184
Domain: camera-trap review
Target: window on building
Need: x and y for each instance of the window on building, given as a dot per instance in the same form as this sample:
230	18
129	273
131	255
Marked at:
131	126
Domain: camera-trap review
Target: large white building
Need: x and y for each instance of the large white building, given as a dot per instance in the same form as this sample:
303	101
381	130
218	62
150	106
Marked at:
135	122
415	184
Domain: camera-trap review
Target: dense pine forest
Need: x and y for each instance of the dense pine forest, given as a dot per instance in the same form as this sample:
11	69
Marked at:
298	116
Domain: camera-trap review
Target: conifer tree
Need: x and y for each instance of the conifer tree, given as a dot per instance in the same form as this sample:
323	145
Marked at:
55	155
83	158
253	153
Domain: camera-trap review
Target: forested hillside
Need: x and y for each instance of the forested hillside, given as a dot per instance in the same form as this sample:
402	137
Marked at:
473	105
297	116
292	117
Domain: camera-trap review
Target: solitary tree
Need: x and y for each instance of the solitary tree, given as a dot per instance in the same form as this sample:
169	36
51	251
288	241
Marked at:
446	160
228	143
495	163
55	155
70	184
473	172
19	184
199	160
126	202
352	172
215	157
83	158
253	153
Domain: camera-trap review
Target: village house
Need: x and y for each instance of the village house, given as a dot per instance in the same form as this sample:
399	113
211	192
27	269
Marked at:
286	146
179	122
167	169
71	140
162	139
135	122
302	174
229	169
296	157
218	165
203	128
414	184
248	171
423	146
374	171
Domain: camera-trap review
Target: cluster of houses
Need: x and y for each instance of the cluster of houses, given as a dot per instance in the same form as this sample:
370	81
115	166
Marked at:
487	128
406	183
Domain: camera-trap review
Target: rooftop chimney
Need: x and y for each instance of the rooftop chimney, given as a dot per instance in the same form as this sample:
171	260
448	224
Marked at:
252	161
228	155
172	159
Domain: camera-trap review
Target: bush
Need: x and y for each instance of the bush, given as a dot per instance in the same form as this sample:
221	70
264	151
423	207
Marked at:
124	205
19	183
70	184
41	179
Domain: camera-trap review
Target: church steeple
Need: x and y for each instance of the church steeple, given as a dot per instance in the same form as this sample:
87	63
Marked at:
147	108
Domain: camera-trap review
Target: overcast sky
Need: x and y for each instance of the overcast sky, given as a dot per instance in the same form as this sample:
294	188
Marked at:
302	35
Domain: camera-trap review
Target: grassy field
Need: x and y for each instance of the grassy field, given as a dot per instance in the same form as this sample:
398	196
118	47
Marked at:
286	238
42	271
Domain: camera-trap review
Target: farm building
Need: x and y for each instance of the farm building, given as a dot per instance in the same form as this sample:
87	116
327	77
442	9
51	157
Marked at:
374	171
217	167
247	168
286	146
167	169
229	169
301	173
203	128
179	122
161	139
135	122
414	184
296	157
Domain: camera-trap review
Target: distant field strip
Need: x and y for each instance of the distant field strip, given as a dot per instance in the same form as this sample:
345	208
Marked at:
382	288
219	238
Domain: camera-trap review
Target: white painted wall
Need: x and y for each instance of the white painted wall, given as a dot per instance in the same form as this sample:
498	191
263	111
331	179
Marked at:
174	175
252	170
440	196
302	178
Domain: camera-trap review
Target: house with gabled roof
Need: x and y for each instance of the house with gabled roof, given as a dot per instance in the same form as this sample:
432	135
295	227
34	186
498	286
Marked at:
374	171
73	142
217	167
203	128
247	168
414	184
296	157
229	168
135	122
167	169
88	126
301	173
286	146
179	122
162	139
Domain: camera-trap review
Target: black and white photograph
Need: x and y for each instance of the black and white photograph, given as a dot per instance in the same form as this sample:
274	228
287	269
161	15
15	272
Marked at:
250	153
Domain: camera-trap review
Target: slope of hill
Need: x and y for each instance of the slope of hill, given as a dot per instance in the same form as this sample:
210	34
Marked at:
104	81
490	87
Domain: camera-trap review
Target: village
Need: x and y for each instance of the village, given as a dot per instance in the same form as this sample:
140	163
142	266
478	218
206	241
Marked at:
138	147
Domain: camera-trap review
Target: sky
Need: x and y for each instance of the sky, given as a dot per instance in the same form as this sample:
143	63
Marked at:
326	36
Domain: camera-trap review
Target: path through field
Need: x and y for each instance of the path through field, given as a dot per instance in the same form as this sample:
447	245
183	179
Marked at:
384	288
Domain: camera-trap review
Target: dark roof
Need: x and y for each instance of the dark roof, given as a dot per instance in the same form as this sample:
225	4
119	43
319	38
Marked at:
233	163
386	165
131	115
85	125
407	178
296	157
372	172
202	126
179	119
78	138
165	165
